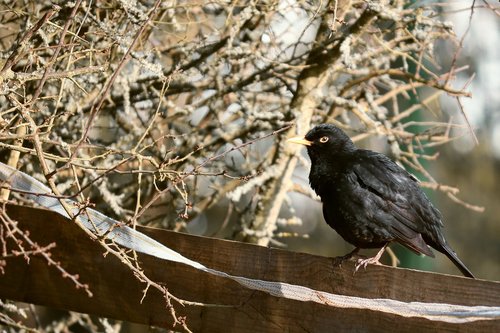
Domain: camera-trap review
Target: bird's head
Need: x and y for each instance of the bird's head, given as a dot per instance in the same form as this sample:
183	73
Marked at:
325	142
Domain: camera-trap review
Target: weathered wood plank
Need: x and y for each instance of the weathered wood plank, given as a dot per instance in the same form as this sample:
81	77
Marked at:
117	292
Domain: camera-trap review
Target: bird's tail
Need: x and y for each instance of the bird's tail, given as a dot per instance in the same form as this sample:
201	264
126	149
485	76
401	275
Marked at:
448	251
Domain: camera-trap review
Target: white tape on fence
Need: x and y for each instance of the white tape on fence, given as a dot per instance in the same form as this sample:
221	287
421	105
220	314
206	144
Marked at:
100	224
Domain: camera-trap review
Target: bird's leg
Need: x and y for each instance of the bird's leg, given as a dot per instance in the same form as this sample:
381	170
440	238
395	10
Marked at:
373	260
339	260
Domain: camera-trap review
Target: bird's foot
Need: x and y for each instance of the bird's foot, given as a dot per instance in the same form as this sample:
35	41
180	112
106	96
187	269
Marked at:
373	260
364	262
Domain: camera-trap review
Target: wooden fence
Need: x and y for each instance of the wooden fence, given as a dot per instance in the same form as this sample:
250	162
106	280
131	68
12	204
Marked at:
117	293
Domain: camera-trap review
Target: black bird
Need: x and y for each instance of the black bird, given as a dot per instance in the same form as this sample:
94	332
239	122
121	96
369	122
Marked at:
370	200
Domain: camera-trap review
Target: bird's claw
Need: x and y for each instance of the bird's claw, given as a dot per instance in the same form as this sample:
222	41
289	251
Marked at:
372	260
364	262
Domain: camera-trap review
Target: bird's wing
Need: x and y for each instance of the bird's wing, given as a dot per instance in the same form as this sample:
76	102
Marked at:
406	210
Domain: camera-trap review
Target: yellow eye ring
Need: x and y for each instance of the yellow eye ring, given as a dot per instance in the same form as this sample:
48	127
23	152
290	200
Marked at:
324	139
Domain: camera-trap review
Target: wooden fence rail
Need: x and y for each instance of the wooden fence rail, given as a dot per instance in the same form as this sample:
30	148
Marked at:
117	292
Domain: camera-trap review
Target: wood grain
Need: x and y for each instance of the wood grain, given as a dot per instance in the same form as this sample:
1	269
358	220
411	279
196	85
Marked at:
117	292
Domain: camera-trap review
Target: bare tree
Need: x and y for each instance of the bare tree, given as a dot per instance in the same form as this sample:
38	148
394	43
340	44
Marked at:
164	112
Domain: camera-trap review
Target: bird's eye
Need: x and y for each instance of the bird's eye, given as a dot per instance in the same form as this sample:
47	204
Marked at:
323	139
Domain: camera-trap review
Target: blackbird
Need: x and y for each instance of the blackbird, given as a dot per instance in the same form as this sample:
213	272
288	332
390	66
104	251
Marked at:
370	200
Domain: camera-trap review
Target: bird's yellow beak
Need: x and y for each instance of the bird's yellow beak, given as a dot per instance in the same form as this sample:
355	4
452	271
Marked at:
300	140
